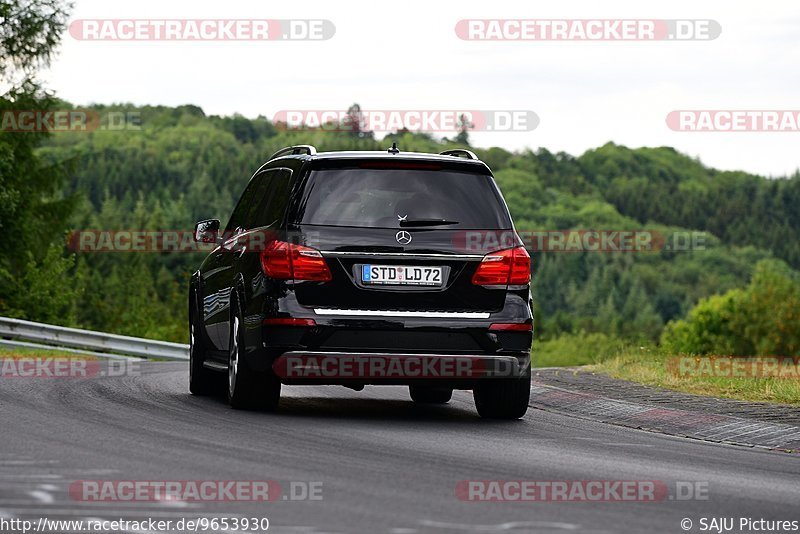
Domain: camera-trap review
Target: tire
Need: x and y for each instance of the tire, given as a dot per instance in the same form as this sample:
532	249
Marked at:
247	388
202	381
503	398
427	395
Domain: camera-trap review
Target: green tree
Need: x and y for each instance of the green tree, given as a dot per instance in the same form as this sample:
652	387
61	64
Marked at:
29	34
33	215
761	319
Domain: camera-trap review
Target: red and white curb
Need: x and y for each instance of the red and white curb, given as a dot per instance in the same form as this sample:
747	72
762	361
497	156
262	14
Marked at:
684	423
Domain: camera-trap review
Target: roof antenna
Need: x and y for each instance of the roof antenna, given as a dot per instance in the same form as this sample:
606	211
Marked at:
394	149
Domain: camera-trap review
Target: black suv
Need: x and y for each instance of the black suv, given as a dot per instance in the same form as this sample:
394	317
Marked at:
357	268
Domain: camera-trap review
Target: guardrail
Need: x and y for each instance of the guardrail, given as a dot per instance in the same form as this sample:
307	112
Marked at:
54	337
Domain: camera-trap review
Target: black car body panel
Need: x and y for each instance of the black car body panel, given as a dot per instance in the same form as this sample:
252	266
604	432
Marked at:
346	315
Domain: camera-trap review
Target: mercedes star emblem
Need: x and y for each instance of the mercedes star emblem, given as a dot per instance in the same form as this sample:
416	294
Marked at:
403	237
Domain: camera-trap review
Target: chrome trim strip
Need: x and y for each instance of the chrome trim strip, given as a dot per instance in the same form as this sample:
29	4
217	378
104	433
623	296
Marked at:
398	313
410	255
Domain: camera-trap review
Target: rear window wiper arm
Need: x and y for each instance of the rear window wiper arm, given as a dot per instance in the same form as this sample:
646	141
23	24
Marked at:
426	222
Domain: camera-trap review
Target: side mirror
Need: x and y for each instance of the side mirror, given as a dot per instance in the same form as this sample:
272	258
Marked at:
207	231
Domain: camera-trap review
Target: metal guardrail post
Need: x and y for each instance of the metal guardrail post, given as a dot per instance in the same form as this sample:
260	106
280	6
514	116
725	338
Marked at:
60	336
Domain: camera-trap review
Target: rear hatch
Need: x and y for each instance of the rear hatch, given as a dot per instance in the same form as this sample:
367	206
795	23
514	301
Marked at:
402	235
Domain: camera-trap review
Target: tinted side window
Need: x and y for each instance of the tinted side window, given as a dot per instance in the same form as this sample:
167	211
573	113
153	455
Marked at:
263	201
273	205
246	202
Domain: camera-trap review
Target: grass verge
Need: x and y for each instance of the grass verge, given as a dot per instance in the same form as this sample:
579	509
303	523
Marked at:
649	365
7	353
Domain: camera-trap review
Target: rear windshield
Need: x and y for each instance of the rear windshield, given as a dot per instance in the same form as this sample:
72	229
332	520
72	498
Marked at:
395	198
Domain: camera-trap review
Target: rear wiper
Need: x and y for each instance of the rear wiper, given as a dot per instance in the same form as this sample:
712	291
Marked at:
426	222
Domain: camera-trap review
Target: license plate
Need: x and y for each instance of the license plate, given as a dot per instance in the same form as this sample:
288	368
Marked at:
404	275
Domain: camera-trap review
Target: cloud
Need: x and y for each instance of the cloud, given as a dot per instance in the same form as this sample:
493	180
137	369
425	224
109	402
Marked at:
404	56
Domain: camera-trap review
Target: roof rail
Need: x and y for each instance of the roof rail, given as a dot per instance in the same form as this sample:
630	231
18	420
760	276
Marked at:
459	153
296	149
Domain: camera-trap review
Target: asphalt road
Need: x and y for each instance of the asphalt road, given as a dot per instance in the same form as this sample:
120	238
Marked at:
385	464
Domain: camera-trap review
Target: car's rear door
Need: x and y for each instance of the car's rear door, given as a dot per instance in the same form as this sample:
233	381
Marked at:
401	236
218	271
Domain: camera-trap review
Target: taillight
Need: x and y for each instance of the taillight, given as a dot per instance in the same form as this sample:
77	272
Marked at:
289	321
510	266
287	261
512	327
520	267
275	260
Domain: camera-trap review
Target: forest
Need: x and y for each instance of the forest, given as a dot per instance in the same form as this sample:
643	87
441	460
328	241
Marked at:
167	167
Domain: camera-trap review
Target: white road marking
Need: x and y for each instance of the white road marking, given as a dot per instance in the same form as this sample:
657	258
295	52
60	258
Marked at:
174	503
42	496
31	509
501	526
27	462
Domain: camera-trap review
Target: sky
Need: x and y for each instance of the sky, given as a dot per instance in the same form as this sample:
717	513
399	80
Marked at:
406	55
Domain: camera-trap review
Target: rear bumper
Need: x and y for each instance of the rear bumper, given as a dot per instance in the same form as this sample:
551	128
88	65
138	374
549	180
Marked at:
441	370
416	332
369	346
360	336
